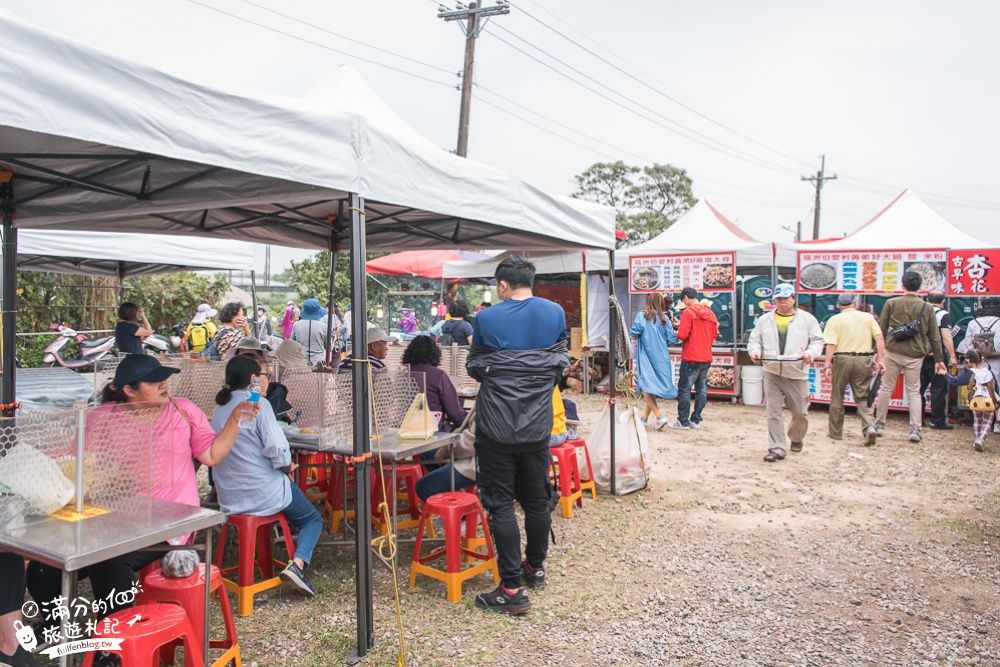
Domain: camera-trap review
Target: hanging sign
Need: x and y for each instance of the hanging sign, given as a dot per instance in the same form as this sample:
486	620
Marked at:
713	272
870	272
974	272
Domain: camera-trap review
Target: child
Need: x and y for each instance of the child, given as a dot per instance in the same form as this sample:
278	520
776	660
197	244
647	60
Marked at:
982	377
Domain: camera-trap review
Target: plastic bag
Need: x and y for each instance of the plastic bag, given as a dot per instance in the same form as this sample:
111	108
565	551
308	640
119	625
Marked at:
631	451
30	474
179	564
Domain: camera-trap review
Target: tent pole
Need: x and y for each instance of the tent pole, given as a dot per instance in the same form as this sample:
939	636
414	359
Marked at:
362	432
121	281
253	296
8	320
612	366
329	300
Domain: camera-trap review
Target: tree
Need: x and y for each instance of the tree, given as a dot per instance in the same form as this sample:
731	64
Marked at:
648	199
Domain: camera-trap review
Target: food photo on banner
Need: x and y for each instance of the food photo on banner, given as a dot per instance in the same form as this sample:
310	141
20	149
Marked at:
712	272
974	272
721	374
872	272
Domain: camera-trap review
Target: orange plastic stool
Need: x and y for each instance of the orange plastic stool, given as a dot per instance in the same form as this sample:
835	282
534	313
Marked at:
311	476
189	593
341	481
253	536
408	474
452	507
566	472
589	483
158	625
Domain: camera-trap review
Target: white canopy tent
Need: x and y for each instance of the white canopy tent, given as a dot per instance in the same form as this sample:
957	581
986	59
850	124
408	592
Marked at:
127	255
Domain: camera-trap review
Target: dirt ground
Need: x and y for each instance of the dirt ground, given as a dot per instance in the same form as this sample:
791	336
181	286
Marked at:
839	555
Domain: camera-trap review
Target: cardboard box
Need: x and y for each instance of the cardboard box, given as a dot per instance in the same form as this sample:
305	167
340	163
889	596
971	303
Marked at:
576	342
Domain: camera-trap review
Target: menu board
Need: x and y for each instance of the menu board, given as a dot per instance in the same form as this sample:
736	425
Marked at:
870	272
715	272
974	272
721	374
820	390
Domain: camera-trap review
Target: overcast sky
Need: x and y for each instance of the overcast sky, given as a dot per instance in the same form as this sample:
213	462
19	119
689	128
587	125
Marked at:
744	95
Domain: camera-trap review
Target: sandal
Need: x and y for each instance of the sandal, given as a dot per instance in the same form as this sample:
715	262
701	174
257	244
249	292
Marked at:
796	447
771	457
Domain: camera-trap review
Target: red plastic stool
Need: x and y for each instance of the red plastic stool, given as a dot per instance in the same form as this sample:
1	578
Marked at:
566	472
253	536
408	474
589	483
341	481
189	593
158	626
311	475
452	507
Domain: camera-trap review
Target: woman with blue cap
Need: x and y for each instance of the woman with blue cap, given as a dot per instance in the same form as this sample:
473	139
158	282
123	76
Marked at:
311	331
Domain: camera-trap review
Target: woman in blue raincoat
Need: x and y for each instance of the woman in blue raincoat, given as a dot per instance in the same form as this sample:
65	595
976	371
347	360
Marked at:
652	332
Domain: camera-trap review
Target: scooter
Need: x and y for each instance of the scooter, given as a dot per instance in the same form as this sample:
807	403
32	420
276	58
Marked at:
91	350
161	343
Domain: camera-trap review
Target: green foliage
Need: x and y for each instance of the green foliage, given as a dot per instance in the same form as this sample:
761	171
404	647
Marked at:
172	298
648	199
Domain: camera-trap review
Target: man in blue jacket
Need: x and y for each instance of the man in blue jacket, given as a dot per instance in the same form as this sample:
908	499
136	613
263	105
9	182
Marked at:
518	353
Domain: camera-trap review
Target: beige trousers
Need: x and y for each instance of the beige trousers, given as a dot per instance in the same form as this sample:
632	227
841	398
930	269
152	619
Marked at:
796	399
857	372
910	368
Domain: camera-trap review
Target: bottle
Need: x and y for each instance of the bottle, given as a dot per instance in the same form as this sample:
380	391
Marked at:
247	417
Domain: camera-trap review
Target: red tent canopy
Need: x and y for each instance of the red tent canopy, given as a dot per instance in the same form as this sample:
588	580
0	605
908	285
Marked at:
423	263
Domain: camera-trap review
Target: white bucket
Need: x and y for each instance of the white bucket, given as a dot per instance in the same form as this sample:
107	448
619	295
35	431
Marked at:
752	382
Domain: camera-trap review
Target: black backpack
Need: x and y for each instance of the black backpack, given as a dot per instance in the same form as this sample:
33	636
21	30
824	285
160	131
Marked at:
446	339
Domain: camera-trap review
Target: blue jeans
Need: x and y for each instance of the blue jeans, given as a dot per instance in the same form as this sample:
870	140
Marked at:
439	481
692	374
301	514
558	439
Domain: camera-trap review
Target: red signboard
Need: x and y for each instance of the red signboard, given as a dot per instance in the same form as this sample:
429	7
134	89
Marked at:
567	296
974	272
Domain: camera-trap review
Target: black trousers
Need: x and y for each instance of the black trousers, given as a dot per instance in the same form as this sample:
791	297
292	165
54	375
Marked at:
11	582
106	578
939	393
502	478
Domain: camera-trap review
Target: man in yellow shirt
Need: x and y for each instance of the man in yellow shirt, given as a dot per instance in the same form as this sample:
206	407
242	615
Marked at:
849	335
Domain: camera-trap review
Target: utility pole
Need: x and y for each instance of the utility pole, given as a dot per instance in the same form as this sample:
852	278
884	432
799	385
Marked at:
797	232
818	179
473	26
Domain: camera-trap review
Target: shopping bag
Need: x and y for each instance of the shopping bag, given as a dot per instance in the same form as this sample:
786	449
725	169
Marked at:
632	461
30	474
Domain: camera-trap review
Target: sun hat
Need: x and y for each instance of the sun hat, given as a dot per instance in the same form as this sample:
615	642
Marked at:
846	299
141	368
312	310
376	335
290	353
204	312
782	291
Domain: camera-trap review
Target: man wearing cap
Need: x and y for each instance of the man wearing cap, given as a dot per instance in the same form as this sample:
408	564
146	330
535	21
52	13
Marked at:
786	339
378	350
849	335
697	331
311	331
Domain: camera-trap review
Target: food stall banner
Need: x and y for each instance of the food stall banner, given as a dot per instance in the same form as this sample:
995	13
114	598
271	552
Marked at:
721	374
710	272
974	272
870	272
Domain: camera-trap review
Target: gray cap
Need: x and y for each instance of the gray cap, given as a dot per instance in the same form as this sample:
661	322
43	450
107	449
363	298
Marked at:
376	335
847	299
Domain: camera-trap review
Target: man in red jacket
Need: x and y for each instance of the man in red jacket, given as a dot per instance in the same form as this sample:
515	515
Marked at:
698	329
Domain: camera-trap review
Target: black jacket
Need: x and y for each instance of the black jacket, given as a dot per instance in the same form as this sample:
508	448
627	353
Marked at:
514	406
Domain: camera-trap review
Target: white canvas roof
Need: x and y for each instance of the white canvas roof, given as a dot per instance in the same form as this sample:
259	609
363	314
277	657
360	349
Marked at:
906	223
704	229
107	253
546	263
99	142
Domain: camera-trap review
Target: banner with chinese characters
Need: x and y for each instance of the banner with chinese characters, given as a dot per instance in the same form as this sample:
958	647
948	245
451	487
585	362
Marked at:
713	272
819	390
974	272
870	272
721	374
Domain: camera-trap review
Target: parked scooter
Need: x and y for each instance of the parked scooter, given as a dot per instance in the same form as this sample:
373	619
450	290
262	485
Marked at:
163	344
91	350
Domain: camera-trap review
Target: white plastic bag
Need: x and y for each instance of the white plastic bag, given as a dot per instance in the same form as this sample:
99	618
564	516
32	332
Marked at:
631	451
30	474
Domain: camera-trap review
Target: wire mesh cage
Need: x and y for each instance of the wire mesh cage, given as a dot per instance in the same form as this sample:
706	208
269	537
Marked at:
31	480
199	381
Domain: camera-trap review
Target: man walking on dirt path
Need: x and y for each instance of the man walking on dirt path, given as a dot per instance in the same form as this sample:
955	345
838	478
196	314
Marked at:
697	331
518	354
786	339
849	335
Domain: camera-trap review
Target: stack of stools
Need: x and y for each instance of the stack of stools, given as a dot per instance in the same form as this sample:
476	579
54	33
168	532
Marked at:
452	507
340	482
311	475
406	474
566	476
158	626
253	536
589	484
189	593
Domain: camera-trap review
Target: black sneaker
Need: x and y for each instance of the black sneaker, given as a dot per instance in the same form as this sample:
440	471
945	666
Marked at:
534	577
504	601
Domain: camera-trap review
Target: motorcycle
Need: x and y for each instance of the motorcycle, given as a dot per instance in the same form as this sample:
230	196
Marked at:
161	343
91	350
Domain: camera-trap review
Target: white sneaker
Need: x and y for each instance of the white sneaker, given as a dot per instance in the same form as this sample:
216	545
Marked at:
978	445
660	423
678	426
996	427
695	424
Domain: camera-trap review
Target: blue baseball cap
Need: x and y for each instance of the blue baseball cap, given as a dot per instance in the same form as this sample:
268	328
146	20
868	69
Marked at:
783	290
